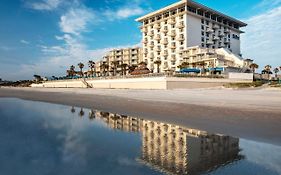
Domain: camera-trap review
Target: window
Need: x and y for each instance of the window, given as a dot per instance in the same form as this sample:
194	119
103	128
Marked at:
203	45
202	33
207	23
202	21
181	43
202	27
202	39
173	26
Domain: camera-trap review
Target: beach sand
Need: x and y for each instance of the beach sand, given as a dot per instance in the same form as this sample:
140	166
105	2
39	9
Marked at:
249	113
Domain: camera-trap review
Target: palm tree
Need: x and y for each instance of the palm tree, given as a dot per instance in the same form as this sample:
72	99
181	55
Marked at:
254	66
158	63
124	67
104	67
115	64
81	66
92	67
276	70
267	70
183	65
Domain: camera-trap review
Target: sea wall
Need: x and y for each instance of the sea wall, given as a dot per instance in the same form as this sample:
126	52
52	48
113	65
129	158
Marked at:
142	83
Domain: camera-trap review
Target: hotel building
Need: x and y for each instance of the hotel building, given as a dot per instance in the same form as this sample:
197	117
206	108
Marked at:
117	58
169	33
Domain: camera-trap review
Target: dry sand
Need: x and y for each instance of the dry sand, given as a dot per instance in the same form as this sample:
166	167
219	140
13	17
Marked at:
250	113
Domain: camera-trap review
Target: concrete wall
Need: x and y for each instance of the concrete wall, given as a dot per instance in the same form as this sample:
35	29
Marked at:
145	83
241	76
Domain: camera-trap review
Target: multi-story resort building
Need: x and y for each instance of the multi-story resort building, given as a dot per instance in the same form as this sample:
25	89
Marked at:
171	34
118	61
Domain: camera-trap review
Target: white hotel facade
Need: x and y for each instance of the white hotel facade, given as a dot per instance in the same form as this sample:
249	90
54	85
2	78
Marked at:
168	34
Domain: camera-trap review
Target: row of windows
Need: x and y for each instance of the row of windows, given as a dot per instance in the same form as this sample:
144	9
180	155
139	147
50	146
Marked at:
165	15
213	46
173	26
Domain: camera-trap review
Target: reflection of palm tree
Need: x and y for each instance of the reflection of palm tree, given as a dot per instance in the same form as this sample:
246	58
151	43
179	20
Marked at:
81	113
92	115
72	109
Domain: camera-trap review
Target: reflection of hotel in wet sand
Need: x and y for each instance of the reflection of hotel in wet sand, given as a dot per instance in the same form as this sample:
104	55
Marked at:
174	149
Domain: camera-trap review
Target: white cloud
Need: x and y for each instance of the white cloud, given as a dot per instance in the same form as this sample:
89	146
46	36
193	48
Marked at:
24	42
262	39
45	5
124	12
76	20
268	3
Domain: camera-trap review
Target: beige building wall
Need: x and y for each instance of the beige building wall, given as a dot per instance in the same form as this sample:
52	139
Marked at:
115	58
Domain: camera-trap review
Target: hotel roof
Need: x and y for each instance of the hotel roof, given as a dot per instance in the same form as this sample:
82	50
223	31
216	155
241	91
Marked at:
193	4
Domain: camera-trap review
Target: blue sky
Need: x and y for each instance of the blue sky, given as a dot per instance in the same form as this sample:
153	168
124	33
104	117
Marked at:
46	36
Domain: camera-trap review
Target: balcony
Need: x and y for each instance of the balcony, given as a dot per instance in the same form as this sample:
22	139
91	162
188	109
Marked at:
172	34
181	38
158	49
173	57
227	31
216	38
151	45
156	26
165	53
157	37
144	29
180	25
173	46
165	41
172	21
165	30
221	34
209	42
226	41
151	56
150	34
144	41
209	30
215	27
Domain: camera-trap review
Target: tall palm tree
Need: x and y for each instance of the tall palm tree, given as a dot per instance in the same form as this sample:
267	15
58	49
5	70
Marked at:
115	65
124	67
254	66
158	63
92	67
71	71
276	70
104	67
81	66
183	65
267	70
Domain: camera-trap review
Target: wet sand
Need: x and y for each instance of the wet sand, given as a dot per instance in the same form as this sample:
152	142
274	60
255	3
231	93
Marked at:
250	114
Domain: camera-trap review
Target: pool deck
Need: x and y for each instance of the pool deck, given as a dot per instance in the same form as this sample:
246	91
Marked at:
250	113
